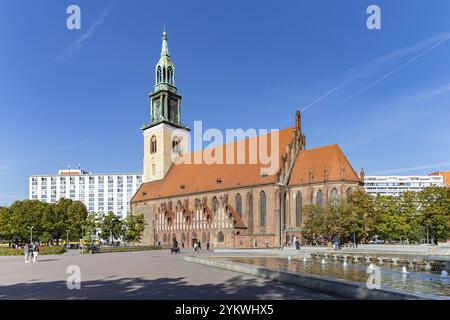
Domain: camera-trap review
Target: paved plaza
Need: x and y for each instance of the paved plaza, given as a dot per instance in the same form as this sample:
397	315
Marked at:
136	275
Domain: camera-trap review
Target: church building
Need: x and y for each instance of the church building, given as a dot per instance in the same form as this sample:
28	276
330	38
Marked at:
229	205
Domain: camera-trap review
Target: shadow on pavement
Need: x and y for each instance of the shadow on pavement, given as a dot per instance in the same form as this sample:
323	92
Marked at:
162	288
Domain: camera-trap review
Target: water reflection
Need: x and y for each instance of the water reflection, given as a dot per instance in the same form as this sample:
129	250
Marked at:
420	281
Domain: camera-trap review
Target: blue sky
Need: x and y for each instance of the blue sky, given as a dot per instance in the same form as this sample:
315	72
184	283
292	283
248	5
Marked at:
81	96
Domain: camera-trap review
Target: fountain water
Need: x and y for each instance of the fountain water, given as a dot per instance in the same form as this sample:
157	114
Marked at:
304	258
289	258
444	274
370	268
323	261
404	271
345	264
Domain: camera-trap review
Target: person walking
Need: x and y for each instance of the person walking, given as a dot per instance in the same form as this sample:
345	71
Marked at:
195	247
26	252
35	251
207	246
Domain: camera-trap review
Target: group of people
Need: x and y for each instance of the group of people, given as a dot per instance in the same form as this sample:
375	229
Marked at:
198	246
31	252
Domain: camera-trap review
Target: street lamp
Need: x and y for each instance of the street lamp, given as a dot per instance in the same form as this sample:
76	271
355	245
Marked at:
67	241
82	239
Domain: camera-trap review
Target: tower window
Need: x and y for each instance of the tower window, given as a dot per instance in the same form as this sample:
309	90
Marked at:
158	75
153	145
176	145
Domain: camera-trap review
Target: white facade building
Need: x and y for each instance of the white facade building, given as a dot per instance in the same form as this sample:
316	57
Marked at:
101	193
394	185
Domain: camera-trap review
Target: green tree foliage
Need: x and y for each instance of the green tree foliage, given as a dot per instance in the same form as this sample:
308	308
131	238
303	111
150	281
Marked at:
91	224
135	225
434	212
49	221
111	225
401	219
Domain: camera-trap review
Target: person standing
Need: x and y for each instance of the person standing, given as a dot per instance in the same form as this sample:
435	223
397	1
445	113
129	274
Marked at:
26	252
195	247
35	251
207	246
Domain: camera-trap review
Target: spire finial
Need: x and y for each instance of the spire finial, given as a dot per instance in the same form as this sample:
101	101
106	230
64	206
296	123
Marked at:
165	46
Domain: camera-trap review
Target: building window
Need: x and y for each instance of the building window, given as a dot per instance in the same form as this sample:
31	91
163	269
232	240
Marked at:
220	237
319	198
334	197
298	209
262	208
153	145
176	145
215	204
239	204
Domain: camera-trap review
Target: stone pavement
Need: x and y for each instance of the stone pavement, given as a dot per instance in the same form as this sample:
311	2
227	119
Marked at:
136	275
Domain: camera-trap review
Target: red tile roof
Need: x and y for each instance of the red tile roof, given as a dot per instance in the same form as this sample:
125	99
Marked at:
313	165
204	177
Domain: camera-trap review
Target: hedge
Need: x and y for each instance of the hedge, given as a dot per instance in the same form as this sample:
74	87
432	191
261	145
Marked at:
42	251
107	249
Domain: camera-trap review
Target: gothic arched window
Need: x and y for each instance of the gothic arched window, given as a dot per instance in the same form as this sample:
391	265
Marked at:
215	204
220	237
262	208
176	145
153	144
164	74
298	209
170	75
238	204
319	198
334	197
158	75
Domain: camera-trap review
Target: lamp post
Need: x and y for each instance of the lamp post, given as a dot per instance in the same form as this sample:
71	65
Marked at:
82	239
67	240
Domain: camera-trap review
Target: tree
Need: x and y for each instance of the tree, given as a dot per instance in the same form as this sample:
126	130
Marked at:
361	219
90	225
135	225
55	221
111	225
5	228
76	218
22	216
434	213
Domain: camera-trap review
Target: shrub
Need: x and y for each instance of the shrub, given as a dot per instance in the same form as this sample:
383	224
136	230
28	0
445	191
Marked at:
107	249
42	251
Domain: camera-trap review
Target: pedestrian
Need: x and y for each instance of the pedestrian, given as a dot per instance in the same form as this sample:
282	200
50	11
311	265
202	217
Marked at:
35	252
207	246
195	247
182	244
199	247
26	252
297	244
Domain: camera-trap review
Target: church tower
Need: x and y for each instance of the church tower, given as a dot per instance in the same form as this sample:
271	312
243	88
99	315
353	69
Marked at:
165	137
